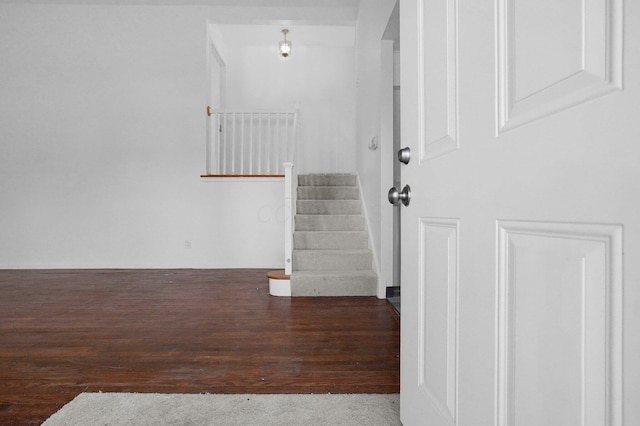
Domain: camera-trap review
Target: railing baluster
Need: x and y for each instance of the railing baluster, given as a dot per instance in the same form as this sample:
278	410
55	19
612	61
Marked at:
260	133
285	154
207	167
221	131
215	137
242	142
294	143
232	143
214	161
269	144
250	142
223	143
290	138
276	145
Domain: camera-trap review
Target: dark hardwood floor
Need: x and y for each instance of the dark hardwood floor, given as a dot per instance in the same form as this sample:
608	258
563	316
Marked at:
182	331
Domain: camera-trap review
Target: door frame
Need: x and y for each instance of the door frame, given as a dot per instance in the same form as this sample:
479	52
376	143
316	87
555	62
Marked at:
386	278
389	145
213	59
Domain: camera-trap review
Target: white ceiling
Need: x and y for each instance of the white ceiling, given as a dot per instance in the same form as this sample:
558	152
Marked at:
343	4
301	12
327	23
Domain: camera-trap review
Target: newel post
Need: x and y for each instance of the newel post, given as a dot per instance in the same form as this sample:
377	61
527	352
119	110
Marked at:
288	217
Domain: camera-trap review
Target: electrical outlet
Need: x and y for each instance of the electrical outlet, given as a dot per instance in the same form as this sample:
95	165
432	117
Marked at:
187	244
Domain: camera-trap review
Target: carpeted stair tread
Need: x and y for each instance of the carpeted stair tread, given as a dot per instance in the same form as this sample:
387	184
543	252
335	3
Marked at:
328	207
337	179
328	193
330	240
329	223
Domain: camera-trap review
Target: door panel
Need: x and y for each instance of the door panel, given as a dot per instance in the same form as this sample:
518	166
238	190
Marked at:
524	201
559	332
438	107
554	55
438	312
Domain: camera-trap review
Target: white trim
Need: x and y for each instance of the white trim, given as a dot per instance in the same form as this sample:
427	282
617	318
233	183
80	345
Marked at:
387	163
281	288
241	179
289	212
381	289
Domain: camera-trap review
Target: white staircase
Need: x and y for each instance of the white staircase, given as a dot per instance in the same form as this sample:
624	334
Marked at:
331	256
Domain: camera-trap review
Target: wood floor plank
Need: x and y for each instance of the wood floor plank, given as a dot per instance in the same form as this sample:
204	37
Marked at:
63	332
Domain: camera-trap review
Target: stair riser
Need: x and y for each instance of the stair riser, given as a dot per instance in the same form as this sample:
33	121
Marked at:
328	207
328	193
330	240
327	180
333	286
338	260
329	223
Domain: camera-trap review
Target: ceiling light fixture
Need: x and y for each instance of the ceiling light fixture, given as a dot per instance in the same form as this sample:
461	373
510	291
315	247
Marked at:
285	46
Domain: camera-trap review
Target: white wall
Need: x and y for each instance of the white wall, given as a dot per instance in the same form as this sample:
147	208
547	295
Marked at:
319	81
102	131
372	21
102	134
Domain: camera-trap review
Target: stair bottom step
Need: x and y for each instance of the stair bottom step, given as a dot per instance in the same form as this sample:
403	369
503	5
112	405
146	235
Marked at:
332	260
333	283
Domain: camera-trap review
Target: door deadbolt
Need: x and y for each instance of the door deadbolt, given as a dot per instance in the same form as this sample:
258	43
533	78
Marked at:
404	155
396	197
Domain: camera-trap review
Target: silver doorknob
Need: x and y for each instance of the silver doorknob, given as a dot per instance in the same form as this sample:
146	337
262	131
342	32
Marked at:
404	196
404	155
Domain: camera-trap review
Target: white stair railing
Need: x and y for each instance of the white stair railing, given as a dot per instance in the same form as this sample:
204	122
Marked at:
251	142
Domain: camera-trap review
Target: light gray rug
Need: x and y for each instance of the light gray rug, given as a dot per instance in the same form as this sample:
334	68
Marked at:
139	409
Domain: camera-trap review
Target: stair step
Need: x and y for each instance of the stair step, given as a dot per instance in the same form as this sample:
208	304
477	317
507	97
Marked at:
325	240
333	283
328	193
328	207
328	260
331	255
327	180
329	223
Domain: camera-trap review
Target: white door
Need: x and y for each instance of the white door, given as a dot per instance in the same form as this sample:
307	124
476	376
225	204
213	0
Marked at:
523	118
